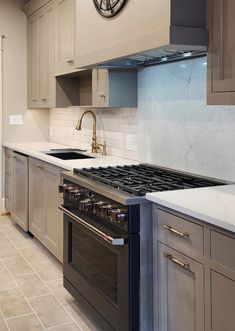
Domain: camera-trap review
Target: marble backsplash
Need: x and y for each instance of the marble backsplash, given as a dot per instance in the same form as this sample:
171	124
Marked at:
118	127
176	127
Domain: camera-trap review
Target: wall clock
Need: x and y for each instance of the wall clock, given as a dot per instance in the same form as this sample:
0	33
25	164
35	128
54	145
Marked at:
109	8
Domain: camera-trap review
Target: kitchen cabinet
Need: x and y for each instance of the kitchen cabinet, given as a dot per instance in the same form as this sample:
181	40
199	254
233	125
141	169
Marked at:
221	55
65	36
41	57
180	287
19	206
45	219
194	279
8	179
99	88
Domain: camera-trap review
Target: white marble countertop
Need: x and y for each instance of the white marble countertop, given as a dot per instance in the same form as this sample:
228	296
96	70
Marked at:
214	205
36	149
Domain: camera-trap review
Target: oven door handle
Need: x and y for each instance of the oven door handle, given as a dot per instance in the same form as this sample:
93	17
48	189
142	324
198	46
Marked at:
112	241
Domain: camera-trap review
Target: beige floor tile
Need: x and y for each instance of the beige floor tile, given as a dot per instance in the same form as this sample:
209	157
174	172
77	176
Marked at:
8	251
47	270
81	318
12	303
33	254
56	286
4	220
49	311
3	326
6	280
31	285
5	242
68	327
17	266
25	323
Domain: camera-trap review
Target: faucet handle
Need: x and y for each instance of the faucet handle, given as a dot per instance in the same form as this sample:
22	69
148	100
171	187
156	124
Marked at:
104	149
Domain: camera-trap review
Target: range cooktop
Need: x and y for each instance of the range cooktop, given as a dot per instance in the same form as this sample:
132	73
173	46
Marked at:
143	178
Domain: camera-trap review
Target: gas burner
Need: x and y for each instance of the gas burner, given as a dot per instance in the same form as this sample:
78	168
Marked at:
140	179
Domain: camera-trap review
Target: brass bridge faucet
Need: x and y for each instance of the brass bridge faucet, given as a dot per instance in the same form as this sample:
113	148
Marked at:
95	148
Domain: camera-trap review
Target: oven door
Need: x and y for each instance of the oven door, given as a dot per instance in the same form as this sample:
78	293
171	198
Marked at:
104	268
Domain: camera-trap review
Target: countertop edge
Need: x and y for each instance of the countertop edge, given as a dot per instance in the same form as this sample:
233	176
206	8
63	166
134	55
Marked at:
193	213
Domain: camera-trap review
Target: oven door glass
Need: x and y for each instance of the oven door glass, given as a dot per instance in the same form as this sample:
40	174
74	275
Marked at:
95	262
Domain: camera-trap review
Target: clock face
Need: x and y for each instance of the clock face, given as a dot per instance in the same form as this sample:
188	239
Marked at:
109	8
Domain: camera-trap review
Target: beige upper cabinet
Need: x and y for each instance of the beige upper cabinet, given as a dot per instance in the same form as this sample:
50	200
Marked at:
221	56
41	57
65	36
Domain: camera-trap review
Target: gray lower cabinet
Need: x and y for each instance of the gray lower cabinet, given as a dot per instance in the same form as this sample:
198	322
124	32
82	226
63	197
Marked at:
180	281
19	203
222	302
194	274
45	219
8	179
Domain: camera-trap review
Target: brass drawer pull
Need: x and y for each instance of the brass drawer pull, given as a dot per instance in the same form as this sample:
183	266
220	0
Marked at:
185	265
178	233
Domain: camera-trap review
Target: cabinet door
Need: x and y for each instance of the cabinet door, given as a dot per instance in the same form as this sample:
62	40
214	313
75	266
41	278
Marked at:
179	292
33	61
222	51
8	180
65	35
19	211
222	302
36	198
100	87
53	222
41	57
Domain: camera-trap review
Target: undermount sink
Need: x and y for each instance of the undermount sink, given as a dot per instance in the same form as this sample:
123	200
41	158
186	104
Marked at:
69	155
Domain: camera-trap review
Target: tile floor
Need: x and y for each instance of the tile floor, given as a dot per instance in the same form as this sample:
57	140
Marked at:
32	296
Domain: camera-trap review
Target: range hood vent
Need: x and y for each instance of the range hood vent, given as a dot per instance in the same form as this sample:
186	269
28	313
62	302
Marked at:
143	34
153	58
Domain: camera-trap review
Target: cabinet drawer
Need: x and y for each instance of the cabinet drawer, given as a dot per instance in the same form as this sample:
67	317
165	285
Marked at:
179	233
223	249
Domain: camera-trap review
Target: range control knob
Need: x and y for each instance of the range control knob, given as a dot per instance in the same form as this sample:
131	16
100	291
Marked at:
85	205
118	215
78	193
100	206
65	188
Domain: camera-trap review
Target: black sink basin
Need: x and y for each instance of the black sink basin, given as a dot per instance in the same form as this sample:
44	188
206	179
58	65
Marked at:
69	155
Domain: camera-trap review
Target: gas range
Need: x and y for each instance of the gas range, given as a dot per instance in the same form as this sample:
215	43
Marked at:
140	179
108	239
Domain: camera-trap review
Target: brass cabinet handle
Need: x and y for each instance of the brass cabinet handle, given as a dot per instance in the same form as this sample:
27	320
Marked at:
40	167
8	198
178	233
44	99
70	61
170	257
34	100
18	158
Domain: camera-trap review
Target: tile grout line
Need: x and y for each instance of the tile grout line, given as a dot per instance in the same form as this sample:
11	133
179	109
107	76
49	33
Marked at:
26	301
18	249
1	314
14	317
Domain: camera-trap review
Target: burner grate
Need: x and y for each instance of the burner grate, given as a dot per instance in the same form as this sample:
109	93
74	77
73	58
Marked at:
140	179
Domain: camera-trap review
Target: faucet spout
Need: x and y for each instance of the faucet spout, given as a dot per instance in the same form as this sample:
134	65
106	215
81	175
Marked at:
94	145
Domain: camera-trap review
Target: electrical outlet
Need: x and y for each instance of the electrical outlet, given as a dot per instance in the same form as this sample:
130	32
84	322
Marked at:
16	120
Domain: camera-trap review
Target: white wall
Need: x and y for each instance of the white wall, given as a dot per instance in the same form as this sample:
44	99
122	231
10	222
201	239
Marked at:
176	127
36	122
